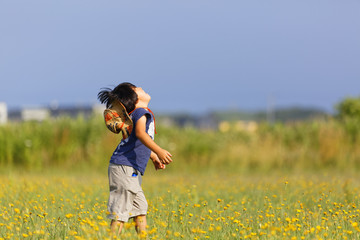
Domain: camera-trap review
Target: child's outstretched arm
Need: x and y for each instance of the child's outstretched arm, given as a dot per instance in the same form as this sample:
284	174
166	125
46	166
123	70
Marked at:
140	131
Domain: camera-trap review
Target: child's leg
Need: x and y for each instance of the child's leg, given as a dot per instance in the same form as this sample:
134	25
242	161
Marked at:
116	224
140	223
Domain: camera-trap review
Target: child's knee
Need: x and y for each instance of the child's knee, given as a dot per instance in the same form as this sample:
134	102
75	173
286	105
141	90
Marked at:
141	217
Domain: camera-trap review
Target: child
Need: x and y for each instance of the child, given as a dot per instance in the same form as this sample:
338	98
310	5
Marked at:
129	160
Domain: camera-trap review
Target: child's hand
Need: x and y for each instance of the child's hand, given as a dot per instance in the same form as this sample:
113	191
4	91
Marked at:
157	164
164	156
156	161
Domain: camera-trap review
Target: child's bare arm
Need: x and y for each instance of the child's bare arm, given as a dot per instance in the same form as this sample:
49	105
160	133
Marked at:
140	131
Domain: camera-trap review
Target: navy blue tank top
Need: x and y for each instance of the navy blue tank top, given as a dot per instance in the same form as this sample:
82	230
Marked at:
131	151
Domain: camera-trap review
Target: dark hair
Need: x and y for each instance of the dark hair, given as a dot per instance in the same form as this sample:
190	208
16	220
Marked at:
124	92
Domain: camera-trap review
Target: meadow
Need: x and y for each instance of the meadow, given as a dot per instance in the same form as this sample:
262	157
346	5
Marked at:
184	207
283	181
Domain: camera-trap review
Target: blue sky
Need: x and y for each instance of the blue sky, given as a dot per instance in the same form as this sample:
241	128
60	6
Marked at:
189	55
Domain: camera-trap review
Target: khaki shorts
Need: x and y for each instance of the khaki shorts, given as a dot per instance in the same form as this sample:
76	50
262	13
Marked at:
126	198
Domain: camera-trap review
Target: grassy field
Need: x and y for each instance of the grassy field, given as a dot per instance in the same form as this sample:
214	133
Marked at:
201	206
282	181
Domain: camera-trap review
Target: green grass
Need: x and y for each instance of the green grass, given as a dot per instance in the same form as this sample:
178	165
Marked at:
87	144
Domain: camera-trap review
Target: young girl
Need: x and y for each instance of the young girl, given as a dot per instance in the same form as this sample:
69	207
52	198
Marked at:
129	160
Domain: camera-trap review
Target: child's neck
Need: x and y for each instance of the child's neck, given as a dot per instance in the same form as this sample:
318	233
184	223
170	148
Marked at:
141	104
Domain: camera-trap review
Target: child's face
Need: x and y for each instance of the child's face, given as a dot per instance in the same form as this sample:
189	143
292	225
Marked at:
142	95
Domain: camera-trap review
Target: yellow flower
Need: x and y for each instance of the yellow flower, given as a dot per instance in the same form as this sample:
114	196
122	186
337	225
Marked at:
143	234
103	223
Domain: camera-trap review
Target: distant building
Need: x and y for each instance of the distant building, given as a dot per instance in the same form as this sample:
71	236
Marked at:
238	126
3	113
98	109
35	114
72	111
248	126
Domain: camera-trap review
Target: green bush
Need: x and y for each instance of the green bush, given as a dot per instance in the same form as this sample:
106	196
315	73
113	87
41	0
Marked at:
348	112
349	108
86	143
